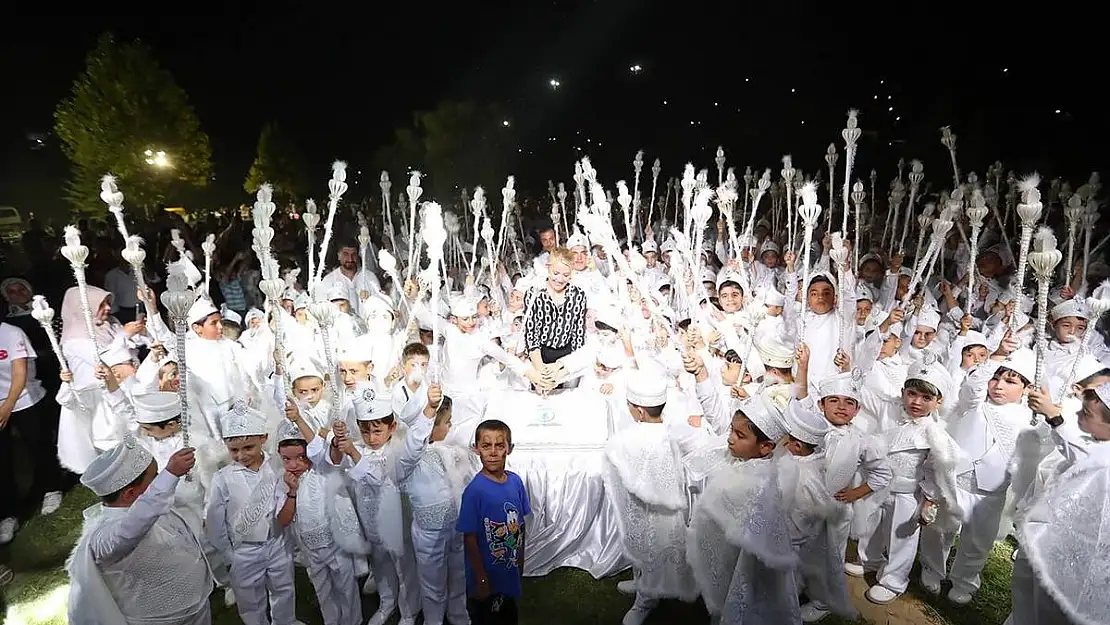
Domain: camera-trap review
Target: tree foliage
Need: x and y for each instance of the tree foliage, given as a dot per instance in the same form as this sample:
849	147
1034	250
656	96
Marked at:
123	104
458	144
280	163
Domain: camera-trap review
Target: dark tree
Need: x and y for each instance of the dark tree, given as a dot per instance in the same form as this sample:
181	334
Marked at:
456	145
278	162
126	115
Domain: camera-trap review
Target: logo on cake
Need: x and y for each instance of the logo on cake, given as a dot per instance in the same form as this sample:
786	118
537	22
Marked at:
545	416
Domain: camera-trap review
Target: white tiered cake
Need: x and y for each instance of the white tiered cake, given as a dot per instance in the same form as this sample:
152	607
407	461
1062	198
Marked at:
573	419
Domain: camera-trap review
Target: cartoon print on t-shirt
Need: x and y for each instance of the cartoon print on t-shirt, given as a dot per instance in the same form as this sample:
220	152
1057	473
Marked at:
502	538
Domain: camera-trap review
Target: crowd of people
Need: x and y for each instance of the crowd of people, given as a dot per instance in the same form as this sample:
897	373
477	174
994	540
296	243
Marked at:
770	401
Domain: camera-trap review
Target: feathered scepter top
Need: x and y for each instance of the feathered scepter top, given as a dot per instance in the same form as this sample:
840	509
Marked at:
809	211
77	254
337	186
1029	211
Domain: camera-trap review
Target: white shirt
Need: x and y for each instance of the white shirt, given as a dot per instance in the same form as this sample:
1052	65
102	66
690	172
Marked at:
15	345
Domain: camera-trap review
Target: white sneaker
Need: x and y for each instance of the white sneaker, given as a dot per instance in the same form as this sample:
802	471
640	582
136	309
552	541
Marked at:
51	502
959	597
811	613
381	616
370	586
853	569
229	597
881	594
635	616
627	587
930	581
7	530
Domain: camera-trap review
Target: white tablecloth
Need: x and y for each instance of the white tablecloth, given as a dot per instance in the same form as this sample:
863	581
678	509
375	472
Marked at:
573	523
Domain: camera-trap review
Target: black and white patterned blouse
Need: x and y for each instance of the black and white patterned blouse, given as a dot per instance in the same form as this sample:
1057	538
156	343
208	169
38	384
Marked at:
556	326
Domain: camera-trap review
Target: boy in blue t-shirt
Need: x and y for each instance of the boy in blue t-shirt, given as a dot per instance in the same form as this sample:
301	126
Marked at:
491	519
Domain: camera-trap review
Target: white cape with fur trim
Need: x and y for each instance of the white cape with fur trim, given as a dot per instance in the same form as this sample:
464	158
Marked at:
739	547
1066	537
644	480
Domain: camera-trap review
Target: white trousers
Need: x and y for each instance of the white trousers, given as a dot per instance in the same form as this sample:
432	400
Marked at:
333	577
897	533
441	565
976	540
261	571
398	586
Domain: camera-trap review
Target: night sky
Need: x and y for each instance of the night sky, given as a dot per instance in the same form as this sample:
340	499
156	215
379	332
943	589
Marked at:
673	78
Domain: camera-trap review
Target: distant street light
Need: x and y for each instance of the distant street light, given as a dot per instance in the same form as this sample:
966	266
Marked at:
157	159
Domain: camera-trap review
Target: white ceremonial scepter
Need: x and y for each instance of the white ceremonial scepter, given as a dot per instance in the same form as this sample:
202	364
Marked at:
924	220
917	174
311	219
77	254
858	196
508	198
209	248
831	158
850	134
111	196
561	195
701	214
688	183
135	255
579	187
1029	211
434	237
44	314
325	313
625	201
1043	260
271	283
555	222
948	138
924	265
415	191
637	168
656	168
809	211
387	214
478	209
720	161
337	186
757	194
1073	214
554	215
178	298
787	173
726	203
976	214
838	254
1098	304
487	236
363	254
1090	218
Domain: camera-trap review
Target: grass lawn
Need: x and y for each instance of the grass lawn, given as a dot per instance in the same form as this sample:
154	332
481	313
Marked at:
37	596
